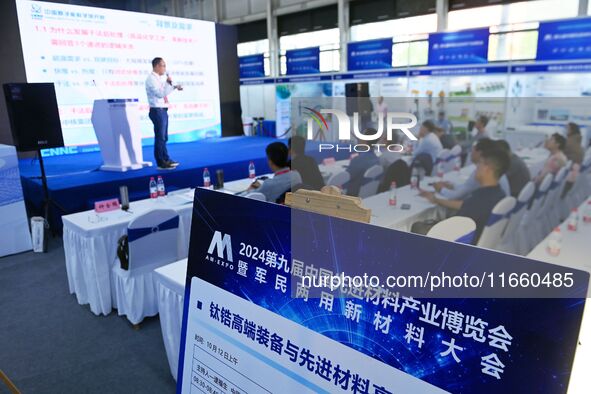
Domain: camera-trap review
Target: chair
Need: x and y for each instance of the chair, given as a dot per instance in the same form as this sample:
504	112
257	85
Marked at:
339	179
425	161
398	172
497	221
549	215
371	181
514	227
455	156
455	229
153	240
529	237
256	196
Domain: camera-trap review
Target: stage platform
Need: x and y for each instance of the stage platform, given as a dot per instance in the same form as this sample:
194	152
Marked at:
75	181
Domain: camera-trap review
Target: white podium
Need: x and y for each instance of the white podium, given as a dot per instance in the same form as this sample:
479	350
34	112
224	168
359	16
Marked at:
116	125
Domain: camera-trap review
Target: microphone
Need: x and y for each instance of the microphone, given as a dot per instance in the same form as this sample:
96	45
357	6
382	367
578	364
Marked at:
167	77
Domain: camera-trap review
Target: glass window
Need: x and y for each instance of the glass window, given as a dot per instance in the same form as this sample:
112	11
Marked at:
395	27
327	40
512	13
520	45
254	48
414	53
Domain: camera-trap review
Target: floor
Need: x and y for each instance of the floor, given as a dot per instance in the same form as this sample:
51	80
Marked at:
50	344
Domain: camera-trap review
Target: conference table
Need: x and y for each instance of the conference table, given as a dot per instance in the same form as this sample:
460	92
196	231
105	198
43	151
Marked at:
574	253
90	242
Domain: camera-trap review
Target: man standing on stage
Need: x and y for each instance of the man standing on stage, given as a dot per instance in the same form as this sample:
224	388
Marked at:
158	89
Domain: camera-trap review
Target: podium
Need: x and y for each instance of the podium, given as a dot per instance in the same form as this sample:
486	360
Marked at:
116	125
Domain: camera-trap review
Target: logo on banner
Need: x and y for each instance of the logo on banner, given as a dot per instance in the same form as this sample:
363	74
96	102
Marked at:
221	243
394	121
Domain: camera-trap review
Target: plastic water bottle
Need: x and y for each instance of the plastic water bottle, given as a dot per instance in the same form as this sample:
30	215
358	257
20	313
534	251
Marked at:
414	179
206	178
392	200
153	188
587	213
573	220
440	170
457	164
555	242
251	170
160	187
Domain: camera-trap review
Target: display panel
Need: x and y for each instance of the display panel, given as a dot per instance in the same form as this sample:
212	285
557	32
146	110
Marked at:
94	53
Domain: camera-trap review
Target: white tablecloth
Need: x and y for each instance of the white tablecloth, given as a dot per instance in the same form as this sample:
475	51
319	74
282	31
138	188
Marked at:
171	290
90	246
575	253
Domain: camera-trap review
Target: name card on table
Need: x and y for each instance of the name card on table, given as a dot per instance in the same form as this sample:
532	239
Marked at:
106	205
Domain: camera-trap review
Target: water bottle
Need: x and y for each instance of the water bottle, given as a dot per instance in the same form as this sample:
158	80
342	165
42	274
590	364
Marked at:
414	179
587	213
440	170
457	164
554	242
573	220
392	197
160	187
153	188
206	178
251	171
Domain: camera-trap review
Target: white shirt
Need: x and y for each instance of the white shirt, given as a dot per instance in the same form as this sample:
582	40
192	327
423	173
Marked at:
459	192
429	144
157	89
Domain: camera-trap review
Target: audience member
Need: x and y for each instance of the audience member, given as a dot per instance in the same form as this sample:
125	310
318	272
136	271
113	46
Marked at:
283	178
443	123
429	143
555	144
574	149
518	173
305	165
357	167
459	191
447	140
480	127
478	205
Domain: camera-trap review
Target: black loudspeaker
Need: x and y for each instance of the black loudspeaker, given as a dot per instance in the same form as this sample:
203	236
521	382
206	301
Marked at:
34	116
357	96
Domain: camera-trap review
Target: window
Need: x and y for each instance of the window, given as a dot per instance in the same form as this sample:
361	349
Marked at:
254	48
512	13
394	27
327	40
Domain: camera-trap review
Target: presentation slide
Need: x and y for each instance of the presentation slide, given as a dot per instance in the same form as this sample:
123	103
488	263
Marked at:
94	53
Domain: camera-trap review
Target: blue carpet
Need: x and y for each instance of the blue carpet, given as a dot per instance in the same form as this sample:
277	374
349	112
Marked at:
75	182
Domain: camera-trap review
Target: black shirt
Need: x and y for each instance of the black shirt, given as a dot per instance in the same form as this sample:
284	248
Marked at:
308	170
479	204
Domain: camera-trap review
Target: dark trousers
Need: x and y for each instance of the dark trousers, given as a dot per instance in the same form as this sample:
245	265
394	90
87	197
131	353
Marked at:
159	116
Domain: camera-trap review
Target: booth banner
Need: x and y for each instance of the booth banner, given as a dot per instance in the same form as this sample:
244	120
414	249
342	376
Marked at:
14	228
252	66
462	47
303	61
251	325
460	71
369	55
563	40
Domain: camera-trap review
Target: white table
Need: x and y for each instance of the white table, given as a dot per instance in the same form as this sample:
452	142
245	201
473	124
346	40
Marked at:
90	246
171	291
575	253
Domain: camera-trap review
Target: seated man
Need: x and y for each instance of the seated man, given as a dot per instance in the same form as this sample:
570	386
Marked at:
429	143
357	167
480	131
283	178
518	173
452	191
478	205
447	140
303	164
557	159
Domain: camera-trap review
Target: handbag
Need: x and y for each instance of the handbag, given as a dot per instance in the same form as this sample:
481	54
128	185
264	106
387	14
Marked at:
123	252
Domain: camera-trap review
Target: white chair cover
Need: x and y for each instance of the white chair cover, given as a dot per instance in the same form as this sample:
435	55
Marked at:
455	229
441	161
256	196
549	214
152	241
455	156
371	181
514	227
491	235
529	237
339	179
